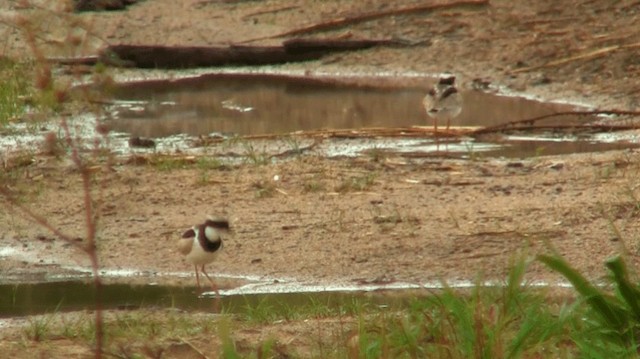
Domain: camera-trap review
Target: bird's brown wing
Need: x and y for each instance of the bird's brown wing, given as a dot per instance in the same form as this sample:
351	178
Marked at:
184	245
190	233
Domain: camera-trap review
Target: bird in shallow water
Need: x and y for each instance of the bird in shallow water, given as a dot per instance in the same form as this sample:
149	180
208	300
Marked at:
443	101
202	243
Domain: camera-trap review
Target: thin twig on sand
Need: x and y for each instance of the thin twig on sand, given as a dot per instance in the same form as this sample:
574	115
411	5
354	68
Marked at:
367	16
270	11
586	56
529	122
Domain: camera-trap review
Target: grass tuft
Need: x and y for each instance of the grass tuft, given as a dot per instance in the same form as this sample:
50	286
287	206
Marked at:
253	156
14	90
356	183
611	321
264	189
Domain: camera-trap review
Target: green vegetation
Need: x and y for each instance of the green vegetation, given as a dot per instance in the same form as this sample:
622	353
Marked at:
169	163
313	185
611	323
539	151
16	176
376	154
507	321
487	321
14	89
472	155
388	218
206	163
357	183
253	156
264	189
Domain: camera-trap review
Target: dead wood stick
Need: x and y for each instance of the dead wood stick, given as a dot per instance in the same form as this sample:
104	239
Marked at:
74	61
171	57
354	19
586	56
347	133
576	128
295	151
269	11
511	124
194	348
583	127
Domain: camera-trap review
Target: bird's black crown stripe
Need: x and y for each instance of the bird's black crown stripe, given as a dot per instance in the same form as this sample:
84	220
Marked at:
217	224
447	80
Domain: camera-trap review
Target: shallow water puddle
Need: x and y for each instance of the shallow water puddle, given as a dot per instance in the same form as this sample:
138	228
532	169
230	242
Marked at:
269	104
71	295
51	297
237	104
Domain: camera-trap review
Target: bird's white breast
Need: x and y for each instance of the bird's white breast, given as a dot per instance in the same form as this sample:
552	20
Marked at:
199	256
442	107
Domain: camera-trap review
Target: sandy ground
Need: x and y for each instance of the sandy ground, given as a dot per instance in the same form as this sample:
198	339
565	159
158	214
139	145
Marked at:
359	220
368	219
414	221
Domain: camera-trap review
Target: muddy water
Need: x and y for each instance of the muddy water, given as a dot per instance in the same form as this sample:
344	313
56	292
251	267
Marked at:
235	104
250	105
52	297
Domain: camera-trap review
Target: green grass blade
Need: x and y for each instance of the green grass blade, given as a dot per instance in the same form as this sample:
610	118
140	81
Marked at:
513	290
608	310
629	293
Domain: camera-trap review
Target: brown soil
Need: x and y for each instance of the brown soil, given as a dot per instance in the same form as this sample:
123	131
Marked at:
355	220
411	221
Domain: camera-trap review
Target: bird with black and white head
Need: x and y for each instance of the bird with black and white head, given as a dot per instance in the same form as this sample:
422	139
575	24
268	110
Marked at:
443	102
202	243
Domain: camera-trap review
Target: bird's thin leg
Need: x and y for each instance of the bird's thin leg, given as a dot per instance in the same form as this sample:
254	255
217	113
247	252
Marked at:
435	132
446	148
214	287
197	276
213	284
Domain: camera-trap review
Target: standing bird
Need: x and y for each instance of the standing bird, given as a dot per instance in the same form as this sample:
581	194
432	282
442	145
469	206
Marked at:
443	101
202	242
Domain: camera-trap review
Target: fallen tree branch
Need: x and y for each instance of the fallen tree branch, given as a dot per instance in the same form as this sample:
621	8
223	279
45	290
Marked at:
74	61
405	132
586	56
197	350
146	56
530	121
270	11
295	151
418	131
576	128
368	16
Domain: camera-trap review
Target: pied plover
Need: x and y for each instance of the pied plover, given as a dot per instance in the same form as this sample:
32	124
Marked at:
443	101
202	243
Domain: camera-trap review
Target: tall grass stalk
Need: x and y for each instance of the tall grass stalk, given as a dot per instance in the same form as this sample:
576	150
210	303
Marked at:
507	321
52	93
88	245
14	88
611	324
